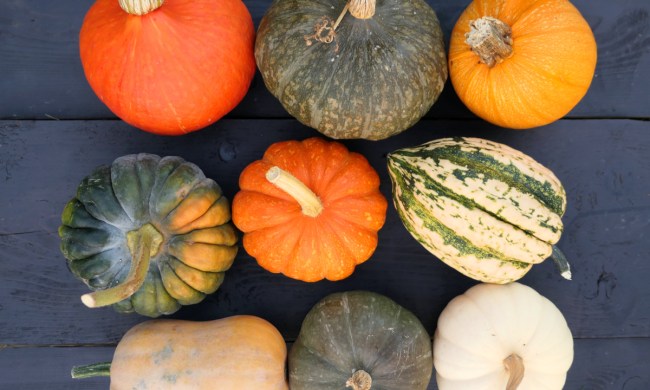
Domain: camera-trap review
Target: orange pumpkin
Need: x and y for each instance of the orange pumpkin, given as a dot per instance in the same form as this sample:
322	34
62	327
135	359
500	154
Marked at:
172	67
309	209
521	63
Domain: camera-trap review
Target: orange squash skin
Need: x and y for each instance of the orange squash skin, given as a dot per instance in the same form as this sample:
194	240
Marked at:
174	70
284	240
239	352
550	70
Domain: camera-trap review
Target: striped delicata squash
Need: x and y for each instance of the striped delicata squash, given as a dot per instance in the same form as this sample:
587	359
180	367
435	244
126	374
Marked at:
483	208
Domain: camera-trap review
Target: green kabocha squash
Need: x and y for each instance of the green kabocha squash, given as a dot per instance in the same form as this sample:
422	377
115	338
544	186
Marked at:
483	208
149	234
368	73
360	340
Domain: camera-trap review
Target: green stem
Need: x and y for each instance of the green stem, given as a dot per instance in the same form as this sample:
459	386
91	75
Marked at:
91	370
561	263
144	243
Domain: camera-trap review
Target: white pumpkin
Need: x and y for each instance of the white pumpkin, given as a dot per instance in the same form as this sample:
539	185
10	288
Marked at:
492	334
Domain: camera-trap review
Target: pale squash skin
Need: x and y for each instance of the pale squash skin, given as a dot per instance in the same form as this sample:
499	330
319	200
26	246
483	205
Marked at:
479	329
377	78
487	210
238	353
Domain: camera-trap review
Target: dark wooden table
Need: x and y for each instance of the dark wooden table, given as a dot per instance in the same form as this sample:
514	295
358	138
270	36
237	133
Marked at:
54	131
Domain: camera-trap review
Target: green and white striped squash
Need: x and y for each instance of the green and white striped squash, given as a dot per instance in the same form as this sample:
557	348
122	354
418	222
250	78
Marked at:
487	210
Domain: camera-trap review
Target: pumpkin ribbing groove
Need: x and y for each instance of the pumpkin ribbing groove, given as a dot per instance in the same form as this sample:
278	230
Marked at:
147	239
195	294
459	243
460	199
346	316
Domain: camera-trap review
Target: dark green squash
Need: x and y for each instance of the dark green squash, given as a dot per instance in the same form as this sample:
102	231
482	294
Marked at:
149	234
371	76
361	340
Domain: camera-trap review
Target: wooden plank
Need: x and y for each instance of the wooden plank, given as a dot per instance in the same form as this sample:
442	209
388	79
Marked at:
603	364
43	78
603	164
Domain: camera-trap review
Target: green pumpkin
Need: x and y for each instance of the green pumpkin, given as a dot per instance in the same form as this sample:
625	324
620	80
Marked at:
149	234
361	340
376	74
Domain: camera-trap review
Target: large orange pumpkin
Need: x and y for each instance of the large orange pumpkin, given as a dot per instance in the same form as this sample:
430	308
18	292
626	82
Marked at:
168	67
309	209
521	63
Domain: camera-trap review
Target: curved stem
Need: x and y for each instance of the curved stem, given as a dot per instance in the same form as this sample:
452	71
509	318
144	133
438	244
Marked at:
561	263
490	39
325	29
360	380
140	7
515	366
144	243
91	370
308	201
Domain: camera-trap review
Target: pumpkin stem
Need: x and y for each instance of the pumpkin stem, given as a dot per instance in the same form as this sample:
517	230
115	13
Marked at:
325	29
140	7
360	380
91	370
490	39
362	9
309	202
144	243
561	263
515	366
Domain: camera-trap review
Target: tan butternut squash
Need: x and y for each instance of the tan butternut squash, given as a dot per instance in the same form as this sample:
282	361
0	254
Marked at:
239	352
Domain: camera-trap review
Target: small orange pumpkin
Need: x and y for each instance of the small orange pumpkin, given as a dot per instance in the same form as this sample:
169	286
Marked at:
521	63
309	209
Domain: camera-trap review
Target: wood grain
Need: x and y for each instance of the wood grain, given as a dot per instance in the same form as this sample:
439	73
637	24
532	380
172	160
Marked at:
602	163
42	75
593	366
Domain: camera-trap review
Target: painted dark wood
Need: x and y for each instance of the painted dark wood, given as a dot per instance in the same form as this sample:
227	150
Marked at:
603	164
39	368
42	75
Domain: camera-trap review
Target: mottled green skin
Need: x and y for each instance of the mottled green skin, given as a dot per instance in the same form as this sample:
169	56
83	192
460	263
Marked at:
478	164
377	78
114	200
407	198
360	330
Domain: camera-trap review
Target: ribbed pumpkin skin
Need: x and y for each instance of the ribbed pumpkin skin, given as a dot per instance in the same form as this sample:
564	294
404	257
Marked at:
376	79
549	72
360	330
485	209
329	246
183	205
240	352
482	327
174	70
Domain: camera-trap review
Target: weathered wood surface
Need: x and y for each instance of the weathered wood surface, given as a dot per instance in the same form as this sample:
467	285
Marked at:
49	368
41	74
603	164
